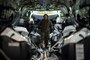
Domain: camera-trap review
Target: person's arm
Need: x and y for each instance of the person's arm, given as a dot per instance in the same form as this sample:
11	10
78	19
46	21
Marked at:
51	26
39	24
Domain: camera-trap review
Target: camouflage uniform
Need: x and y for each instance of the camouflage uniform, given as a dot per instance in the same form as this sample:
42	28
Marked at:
45	27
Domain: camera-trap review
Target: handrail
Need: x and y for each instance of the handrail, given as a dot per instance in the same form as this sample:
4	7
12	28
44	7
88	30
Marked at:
6	57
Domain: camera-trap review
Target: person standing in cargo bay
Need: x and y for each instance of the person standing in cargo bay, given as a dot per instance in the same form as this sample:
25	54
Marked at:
45	27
